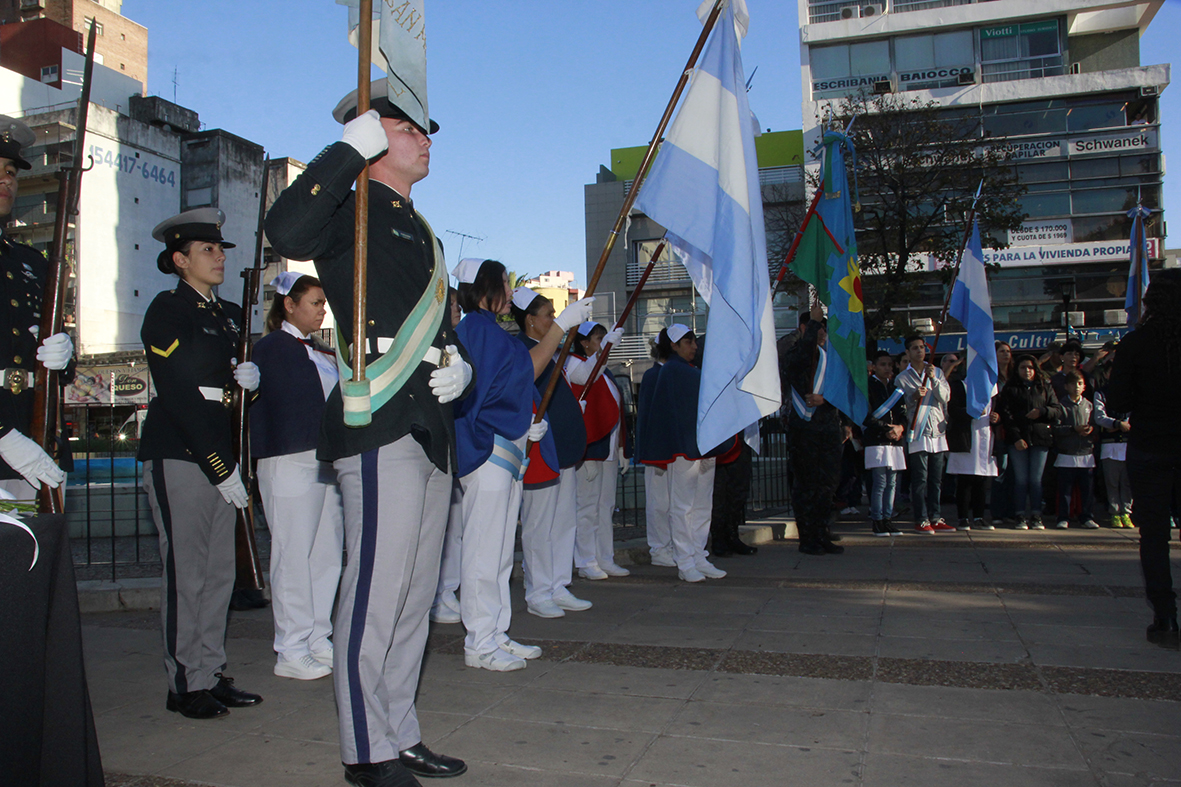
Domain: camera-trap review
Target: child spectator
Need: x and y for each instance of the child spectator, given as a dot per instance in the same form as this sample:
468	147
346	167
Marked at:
1074	439
1113	452
884	434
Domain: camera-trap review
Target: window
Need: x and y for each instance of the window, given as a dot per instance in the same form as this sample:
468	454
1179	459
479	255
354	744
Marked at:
929	61
1042	205
98	26
1025	51
1094	116
843	69
49	73
666	269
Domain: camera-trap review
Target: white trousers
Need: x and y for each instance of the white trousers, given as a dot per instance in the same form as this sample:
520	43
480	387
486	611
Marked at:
491	502
549	520
302	503
690	502
594	542
449	574
656	510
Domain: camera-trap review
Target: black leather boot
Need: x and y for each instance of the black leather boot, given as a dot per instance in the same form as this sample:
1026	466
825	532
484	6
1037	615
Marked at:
1163	632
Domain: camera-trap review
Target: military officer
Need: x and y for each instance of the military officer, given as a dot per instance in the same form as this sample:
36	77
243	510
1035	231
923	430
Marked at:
395	473
190	337
24	466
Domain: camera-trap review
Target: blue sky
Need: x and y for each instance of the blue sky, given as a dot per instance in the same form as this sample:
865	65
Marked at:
530	96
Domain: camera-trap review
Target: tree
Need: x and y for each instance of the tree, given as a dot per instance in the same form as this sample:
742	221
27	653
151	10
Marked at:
918	166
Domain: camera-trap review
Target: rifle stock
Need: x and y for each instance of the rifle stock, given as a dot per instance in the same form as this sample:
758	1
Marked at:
249	566
47	394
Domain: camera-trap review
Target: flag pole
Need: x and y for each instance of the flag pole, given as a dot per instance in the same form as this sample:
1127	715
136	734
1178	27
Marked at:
630	200
947	300
359	383
627	309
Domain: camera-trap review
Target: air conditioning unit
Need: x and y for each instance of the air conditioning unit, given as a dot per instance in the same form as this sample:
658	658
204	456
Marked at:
881	86
1076	68
1114	317
1150	90
848	13
968	78
1077	319
873	9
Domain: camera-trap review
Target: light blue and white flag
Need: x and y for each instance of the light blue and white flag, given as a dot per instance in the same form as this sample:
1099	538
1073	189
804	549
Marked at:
1137	267
972	306
704	188
399	49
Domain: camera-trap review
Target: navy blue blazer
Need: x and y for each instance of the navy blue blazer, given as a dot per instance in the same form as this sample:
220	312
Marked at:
285	418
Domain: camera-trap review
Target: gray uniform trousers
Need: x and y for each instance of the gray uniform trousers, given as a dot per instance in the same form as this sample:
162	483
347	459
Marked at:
395	515
196	527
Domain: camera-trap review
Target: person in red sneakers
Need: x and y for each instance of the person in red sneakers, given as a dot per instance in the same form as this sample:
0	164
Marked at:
926	441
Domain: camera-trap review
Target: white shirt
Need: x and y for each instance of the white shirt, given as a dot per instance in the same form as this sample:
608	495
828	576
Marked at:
325	363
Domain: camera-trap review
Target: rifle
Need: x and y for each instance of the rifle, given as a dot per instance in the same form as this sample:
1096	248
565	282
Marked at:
47	395
245	548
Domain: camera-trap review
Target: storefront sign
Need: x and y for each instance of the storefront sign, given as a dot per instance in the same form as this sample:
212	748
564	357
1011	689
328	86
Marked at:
1037	149
928	78
1114	143
841	85
1020	341
98	385
1066	253
1042	233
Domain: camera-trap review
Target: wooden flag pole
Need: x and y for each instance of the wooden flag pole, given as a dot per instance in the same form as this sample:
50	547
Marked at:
630	200
361	229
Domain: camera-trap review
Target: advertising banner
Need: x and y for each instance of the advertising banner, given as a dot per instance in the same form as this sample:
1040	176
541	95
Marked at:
118	385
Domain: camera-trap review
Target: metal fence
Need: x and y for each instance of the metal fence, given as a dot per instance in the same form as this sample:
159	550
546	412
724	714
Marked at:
113	536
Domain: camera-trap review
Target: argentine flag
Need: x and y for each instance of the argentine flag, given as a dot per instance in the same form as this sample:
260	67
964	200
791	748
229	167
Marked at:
1138	266
704	189
972	306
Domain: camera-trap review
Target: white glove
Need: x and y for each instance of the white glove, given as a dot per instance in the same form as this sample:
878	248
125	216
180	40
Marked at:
26	457
537	431
233	490
613	336
247	375
366	134
448	382
575	314
56	351
625	464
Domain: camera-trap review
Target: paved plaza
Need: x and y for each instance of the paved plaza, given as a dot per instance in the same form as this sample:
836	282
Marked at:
999	659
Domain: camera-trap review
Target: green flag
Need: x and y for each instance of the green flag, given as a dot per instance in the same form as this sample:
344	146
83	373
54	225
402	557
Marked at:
811	261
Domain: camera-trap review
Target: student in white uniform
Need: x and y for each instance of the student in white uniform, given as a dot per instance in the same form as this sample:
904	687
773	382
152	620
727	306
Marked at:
300	495
660	545
971	459
884	435
926	448
594	547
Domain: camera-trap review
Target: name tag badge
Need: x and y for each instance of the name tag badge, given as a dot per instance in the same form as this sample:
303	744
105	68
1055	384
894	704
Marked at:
211	331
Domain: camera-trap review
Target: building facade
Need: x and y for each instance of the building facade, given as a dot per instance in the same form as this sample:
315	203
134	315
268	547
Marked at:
1060	86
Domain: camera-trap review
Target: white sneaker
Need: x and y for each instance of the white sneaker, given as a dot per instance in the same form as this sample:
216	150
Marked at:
1091	524
545	609
710	570
446	608
592	573
614	570
567	600
1062	524
497	661
302	668
520	651
691	575
849	511
324	656
661	559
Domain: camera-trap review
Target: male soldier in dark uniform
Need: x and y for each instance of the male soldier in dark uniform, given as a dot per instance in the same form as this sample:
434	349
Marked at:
814	435
395	473
24	466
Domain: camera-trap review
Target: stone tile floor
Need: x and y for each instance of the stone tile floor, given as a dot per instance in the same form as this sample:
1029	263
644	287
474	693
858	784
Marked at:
966	659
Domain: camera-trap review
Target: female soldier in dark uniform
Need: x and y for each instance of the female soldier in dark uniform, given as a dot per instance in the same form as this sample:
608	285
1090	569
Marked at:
190	474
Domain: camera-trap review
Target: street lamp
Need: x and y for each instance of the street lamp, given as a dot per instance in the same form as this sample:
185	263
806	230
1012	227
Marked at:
1066	286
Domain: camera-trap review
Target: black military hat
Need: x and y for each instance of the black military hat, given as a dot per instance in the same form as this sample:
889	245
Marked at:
346	110
14	136
197	224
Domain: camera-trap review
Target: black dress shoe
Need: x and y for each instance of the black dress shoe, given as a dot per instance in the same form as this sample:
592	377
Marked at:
831	548
225	693
247	598
720	548
196	705
813	549
740	547
390	773
1163	632
421	761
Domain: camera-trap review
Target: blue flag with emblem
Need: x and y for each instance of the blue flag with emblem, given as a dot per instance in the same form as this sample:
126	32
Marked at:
846	384
972	306
704	189
1137	267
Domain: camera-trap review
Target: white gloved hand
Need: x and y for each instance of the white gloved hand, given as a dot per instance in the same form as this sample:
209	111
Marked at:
247	375
448	382
27	458
625	464
613	336
56	351
537	431
233	490
575	314
366	134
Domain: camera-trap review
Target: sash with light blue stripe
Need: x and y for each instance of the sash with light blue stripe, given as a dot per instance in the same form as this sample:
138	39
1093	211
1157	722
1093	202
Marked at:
888	405
797	401
506	455
924	405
